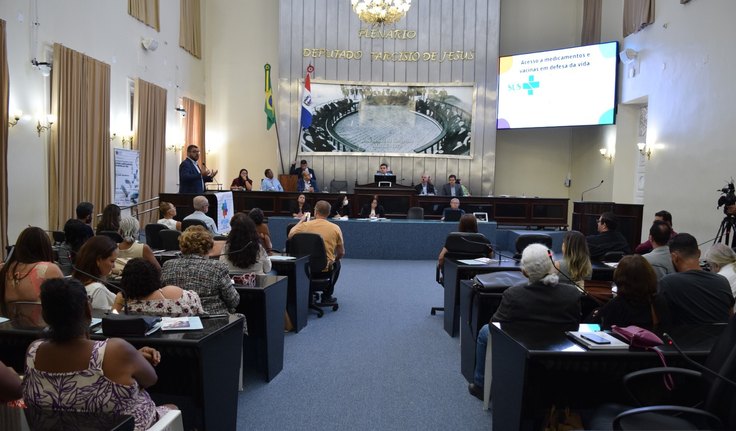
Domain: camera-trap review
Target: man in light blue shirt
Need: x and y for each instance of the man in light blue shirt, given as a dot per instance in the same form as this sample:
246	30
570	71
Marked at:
201	205
270	184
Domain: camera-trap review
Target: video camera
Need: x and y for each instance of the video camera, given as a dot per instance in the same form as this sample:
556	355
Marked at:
728	197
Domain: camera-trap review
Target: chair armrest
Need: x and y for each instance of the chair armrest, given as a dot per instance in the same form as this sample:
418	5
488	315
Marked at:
713	421
643	378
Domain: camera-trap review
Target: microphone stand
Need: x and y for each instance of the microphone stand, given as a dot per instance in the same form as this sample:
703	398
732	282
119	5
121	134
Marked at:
695	363
587	190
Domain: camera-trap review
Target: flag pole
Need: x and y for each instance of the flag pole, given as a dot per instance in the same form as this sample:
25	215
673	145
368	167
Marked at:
270	106
310	70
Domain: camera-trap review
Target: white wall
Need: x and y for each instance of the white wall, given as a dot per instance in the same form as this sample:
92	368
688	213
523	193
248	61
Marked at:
102	30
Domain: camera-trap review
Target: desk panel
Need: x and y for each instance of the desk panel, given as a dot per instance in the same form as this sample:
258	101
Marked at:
297	295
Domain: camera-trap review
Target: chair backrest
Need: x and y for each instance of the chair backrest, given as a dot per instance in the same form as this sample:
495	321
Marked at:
721	397
338	186
452	214
152	235
467	245
169	239
58	236
192	222
308	244
536	238
612	256
415	213
289	227
112	235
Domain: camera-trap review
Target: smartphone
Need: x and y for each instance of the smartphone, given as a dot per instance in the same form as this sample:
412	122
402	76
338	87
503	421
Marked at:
308	216
594	338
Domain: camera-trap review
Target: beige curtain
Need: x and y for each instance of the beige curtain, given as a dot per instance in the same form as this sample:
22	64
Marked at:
194	128
190	28
637	15
145	11
592	11
149	124
4	107
79	151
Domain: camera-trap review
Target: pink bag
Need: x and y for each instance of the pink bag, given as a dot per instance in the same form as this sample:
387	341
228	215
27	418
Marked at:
644	339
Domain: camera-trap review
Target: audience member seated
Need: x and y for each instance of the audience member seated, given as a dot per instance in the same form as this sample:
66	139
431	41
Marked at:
30	265
10	384
201	205
341	208
110	219
332	238
196	271
141	283
242	182
243	252
76	234
636	301
608	238
722	259
373	210
468	223
270	184
647	246
69	372
451	212
425	187
85	211
131	247
300	207
167	211
659	257
575	261
306	184
96	260
693	295
466	192
452	188
264	234
543	300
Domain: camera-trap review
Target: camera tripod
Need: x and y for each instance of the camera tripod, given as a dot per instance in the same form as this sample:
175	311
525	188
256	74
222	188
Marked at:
728	225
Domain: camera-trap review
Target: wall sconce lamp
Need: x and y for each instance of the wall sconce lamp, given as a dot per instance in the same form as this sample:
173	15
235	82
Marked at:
644	150
16	116
606	154
127	140
113	136
50	120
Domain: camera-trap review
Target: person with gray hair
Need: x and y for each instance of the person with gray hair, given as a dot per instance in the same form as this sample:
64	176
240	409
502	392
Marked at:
722	260
542	299
201	205
131	247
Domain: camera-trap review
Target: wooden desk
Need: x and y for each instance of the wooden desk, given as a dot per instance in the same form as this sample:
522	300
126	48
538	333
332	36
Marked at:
534	366
198	370
264	307
297	294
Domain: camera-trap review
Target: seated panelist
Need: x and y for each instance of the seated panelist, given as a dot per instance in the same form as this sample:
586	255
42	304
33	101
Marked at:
384	170
373	209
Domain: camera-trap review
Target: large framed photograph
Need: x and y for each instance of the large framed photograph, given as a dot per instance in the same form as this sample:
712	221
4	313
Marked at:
389	119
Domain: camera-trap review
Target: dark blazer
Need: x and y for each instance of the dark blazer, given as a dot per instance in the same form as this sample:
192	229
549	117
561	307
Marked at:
430	188
365	212
446	190
604	242
190	180
297	170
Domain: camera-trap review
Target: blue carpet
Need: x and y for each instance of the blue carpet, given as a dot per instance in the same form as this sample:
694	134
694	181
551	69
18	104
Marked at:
381	362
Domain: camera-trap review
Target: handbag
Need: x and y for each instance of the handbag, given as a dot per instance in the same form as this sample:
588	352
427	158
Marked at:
647	340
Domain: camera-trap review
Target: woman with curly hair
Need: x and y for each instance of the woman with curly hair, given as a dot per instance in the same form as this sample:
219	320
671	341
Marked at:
141	283
246	252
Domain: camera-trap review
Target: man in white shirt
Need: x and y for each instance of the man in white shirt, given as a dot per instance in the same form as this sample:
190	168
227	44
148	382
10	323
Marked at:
201	205
270	184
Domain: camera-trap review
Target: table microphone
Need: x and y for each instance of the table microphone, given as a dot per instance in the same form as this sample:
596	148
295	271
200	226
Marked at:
698	365
587	190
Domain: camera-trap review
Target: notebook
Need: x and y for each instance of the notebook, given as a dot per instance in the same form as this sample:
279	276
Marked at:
192	323
584	339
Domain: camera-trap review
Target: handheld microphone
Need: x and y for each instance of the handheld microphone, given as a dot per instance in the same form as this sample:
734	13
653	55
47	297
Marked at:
702	367
549	253
587	190
106	284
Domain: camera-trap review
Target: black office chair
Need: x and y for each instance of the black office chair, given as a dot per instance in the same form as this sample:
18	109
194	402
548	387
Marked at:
711	399
462	245
523	241
58	236
612	256
312	245
112	235
338	186
415	213
169	239
192	222
152	235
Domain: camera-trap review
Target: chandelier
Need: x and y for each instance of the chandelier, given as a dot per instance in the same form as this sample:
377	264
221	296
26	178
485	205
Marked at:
381	11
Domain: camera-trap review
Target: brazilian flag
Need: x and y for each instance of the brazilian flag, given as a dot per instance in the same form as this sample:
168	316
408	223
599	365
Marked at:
268	107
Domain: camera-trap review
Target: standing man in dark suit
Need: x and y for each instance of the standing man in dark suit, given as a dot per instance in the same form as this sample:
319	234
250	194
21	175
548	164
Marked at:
452	188
191	178
303	166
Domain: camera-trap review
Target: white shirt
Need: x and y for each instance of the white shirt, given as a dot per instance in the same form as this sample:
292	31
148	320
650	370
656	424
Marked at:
729	272
199	215
271	185
100	297
168	222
